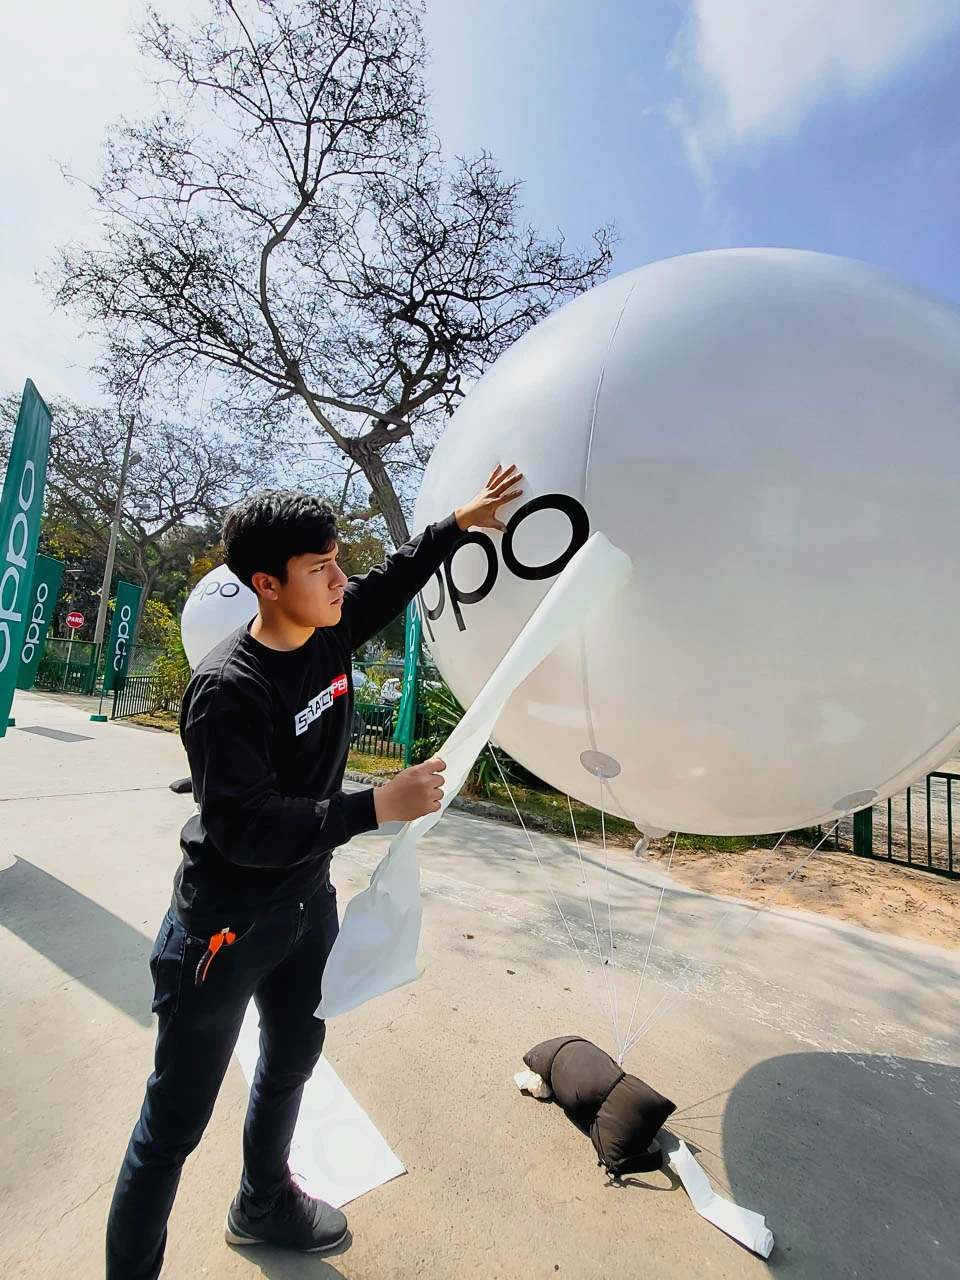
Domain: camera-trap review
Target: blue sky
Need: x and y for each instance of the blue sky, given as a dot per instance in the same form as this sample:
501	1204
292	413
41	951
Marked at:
806	123
821	124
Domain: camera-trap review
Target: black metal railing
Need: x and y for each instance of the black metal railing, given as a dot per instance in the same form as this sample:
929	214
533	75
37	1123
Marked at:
74	674
913	829
76	666
140	695
373	728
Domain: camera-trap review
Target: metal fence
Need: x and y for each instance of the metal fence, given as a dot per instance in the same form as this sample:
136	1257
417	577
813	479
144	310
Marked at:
140	695
75	666
373	730
373	727
912	829
143	658
68	666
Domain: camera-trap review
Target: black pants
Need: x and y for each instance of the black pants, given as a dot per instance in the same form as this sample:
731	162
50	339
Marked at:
278	960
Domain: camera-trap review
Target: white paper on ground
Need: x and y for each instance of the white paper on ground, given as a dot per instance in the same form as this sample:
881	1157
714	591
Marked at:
337	1152
530	1082
377	946
741	1224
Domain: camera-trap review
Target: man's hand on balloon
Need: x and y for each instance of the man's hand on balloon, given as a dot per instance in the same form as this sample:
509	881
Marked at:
481	513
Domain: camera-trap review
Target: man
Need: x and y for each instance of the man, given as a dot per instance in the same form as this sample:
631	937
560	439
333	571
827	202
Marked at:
266	725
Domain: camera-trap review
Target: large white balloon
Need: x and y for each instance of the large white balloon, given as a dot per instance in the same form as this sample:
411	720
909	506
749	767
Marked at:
774	438
217	605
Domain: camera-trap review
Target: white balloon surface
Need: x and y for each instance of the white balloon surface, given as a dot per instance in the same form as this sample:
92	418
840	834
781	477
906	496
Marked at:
772	436
217	605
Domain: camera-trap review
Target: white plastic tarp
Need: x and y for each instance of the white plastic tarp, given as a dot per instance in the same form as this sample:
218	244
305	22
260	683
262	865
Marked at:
377	946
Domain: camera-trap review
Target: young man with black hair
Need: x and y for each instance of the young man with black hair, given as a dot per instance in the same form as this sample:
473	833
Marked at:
266	724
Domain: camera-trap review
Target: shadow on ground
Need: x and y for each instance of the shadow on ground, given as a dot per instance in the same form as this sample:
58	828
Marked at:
689	924
91	944
276	1264
853	1160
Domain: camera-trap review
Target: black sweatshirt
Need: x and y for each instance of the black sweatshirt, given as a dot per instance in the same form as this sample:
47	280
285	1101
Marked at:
267	735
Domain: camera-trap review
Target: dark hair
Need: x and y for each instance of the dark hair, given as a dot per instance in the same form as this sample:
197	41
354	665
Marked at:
262	532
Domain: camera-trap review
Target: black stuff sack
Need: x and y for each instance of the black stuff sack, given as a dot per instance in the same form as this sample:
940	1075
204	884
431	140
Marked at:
619	1112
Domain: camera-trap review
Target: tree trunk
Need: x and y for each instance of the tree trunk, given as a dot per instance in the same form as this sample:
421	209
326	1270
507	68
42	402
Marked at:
370	461
147	578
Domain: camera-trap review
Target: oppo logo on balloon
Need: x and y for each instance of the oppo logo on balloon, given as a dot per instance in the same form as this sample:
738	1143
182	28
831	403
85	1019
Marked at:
450	593
217	605
211	587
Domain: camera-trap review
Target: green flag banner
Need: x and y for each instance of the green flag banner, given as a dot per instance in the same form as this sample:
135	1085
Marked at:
121	634
47	574
20	510
406	730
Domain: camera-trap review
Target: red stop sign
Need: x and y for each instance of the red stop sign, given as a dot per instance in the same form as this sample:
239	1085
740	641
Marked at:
74	619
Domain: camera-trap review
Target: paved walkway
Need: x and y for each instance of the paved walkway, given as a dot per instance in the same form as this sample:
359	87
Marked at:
816	1067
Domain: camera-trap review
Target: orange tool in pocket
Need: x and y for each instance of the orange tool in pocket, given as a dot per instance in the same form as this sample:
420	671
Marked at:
218	940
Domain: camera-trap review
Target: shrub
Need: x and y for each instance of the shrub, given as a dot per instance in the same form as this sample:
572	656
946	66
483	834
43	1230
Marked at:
171	671
442	714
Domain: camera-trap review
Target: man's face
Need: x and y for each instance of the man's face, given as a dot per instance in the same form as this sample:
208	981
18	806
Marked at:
312	595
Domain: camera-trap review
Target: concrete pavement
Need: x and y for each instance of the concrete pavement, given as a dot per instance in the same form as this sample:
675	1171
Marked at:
816	1068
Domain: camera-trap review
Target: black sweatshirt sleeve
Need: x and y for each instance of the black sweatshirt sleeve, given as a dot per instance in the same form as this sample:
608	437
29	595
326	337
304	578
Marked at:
374	599
242	811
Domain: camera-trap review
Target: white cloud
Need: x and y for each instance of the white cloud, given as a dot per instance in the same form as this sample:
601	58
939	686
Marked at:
754	69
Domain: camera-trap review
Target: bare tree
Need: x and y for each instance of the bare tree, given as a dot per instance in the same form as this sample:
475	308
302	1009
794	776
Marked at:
183	477
286	224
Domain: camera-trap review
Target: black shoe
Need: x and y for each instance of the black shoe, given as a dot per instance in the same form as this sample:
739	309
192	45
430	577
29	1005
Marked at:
296	1222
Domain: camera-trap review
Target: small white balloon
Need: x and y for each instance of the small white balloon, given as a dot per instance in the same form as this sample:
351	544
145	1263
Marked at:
772	436
216	606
